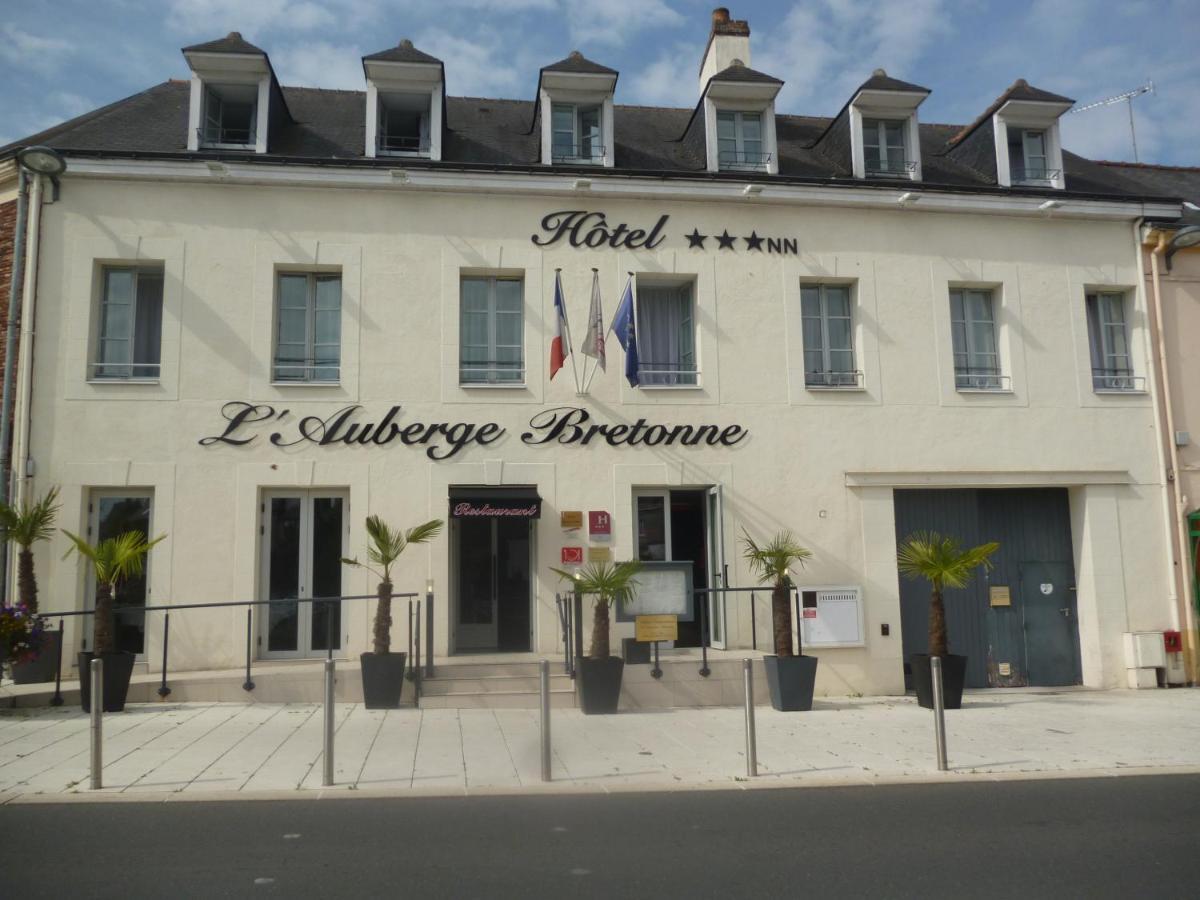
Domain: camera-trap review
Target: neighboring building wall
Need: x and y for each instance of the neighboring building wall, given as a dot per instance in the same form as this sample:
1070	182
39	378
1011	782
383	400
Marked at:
8	224
822	463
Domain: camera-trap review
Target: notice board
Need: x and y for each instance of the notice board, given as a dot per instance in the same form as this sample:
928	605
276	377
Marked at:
663	589
839	618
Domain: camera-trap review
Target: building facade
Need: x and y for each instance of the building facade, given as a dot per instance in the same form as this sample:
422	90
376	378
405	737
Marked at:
264	313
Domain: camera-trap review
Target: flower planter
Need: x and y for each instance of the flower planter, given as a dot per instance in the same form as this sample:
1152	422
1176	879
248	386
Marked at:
382	679
118	669
599	684
44	666
954	674
790	681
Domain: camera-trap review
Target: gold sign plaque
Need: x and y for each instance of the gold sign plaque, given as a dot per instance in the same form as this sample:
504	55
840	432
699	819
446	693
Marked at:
656	628
571	519
599	554
999	596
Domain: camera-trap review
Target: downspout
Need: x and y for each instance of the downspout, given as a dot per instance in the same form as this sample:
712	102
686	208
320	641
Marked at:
25	354
10	353
1185	598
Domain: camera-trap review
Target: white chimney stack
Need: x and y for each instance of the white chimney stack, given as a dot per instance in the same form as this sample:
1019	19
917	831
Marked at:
728	41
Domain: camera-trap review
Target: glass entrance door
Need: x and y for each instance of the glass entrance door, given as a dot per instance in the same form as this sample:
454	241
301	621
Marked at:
493	583
304	537
718	571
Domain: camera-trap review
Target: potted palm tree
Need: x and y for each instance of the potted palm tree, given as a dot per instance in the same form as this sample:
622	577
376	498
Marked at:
25	525
599	673
943	563
790	678
112	561
382	670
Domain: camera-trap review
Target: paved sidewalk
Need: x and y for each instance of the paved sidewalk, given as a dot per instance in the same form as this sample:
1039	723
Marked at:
209	750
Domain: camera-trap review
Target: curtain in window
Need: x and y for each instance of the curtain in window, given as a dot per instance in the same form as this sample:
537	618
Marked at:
828	336
973	334
147	326
1112	365
491	331
666	335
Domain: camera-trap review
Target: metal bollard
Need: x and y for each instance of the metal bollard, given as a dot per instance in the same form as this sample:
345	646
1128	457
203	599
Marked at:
327	773
97	712
939	711
751	740
544	678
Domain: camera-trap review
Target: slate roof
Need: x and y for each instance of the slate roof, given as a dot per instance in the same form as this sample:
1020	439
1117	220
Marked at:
882	81
1168	181
328	127
404	52
580	64
231	43
745	74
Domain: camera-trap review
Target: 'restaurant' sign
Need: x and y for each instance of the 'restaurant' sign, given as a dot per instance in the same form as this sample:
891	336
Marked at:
465	509
567	425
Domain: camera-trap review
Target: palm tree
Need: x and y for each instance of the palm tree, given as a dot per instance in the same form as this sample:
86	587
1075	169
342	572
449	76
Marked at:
113	560
943	563
383	549
772	563
610	583
25	525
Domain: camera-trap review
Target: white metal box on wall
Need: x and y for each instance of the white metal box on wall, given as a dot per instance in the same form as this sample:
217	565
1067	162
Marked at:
1145	650
832	616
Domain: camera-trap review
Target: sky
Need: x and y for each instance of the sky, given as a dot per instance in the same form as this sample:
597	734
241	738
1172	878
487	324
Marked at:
62	58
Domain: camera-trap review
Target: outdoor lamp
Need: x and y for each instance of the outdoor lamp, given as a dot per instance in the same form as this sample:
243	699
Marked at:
429	585
1187	236
42	160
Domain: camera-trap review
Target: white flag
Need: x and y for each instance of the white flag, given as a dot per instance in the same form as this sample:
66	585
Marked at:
593	344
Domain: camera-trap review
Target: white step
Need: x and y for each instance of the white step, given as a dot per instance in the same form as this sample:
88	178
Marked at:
497	700
494	684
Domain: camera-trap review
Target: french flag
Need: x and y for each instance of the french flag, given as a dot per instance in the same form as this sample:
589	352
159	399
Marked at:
560	346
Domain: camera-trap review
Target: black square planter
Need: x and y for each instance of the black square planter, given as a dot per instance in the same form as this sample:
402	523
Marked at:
44	666
599	684
790	680
116	672
954	674
382	679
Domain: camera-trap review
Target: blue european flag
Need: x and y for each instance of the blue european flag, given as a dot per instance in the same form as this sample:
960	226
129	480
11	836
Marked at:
624	329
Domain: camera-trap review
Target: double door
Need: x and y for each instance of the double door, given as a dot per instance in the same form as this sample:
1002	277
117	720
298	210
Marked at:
493	583
304	538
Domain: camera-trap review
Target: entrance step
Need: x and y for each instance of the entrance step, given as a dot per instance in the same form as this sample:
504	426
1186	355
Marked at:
494	685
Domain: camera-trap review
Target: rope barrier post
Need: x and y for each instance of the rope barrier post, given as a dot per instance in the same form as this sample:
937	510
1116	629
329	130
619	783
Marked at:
57	699
248	685
751	738
939	711
97	724
705	634
327	771
429	629
544	684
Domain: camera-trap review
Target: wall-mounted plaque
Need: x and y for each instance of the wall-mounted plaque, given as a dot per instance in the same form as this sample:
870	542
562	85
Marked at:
999	596
571	519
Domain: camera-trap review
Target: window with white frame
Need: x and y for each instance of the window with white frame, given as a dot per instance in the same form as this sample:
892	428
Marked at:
1029	157
973	335
230	116
492	331
740	142
828	337
308	327
577	133
129	325
885	148
402	127
111	513
1108	333
666	335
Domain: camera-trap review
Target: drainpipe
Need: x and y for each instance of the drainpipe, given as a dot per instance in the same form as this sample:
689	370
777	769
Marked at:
1185	597
10	353
25	353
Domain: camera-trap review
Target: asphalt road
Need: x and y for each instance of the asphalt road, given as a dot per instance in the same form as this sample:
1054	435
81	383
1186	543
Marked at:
1113	837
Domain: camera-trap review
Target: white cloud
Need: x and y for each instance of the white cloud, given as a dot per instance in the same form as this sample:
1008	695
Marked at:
218	17
31	50
668	81
479	67
320	64
612	22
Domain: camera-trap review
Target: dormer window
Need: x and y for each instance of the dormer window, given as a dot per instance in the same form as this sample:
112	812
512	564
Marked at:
230	116
885	148
405	98
740	141
578	133
1028	157
403	125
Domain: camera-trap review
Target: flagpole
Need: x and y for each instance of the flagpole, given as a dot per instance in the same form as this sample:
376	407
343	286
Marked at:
587	379
567	325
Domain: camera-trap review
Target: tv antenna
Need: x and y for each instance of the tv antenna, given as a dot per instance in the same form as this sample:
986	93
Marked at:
1127	98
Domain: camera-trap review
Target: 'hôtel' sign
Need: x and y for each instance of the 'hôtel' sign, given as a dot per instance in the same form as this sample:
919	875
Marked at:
567	425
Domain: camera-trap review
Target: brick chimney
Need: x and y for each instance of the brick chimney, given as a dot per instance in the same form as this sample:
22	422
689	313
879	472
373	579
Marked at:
728	40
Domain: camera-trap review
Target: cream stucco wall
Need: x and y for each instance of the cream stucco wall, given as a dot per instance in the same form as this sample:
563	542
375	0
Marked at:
821	463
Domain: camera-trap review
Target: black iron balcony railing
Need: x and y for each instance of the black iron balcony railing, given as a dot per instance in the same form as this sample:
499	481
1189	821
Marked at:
473	373
668	374
833	381
586	152
739	159
1033	174
225	136
398	143
980	378
1117	381
305	370
108	371
891	167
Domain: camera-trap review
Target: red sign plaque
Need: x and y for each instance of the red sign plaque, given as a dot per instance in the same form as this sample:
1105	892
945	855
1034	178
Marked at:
599	523
572	556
